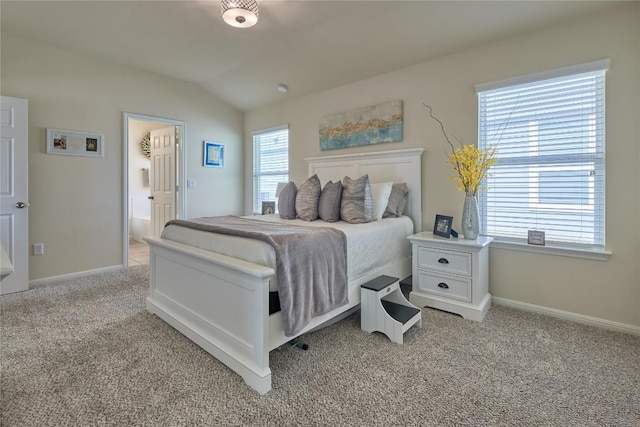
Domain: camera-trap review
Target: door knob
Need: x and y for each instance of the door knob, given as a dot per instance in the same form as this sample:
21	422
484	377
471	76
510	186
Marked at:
150	197
21	205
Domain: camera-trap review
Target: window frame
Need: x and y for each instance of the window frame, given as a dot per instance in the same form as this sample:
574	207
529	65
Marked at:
256	175
581	250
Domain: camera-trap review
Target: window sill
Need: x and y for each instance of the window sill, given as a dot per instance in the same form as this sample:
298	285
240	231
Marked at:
568	251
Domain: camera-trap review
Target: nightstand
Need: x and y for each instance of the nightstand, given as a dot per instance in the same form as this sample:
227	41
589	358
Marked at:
451	274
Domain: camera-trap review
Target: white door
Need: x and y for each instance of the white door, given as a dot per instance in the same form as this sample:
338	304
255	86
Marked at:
163	178
14	195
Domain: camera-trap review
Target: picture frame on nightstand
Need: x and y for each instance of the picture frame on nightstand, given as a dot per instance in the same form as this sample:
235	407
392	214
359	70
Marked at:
442	225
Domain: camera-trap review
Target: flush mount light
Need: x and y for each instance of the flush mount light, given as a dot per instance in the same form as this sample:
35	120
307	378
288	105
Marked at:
283	88
240	13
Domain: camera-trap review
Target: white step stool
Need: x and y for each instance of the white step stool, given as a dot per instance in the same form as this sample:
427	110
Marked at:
384	308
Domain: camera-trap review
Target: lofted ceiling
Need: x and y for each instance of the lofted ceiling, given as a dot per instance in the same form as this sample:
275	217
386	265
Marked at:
308	45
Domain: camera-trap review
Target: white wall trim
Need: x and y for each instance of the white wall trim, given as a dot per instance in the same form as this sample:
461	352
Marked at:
595	254
566	315
52	279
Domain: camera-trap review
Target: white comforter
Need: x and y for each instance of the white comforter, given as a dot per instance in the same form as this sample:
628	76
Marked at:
368	245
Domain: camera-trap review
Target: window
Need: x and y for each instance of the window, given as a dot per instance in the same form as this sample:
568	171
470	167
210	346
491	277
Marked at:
549	129
270	163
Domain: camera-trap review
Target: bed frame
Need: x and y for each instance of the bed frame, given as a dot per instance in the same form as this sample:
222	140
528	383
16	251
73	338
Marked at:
222	303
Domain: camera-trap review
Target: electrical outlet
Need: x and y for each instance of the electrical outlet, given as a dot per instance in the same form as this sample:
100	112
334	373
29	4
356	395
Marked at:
38	248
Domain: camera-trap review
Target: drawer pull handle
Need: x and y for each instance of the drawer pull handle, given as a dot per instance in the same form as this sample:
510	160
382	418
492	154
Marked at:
443	261
443	285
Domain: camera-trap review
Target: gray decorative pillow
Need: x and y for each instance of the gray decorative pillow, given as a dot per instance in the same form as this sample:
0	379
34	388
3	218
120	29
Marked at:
356	206
307	199
329	204
397	200
287	201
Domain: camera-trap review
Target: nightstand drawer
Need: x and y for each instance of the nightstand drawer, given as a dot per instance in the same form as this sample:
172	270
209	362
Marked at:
446	286
449	261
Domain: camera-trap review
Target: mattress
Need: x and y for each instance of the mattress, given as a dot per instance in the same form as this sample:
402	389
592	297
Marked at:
369	245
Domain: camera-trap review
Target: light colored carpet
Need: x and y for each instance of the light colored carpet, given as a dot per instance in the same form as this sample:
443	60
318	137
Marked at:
86	353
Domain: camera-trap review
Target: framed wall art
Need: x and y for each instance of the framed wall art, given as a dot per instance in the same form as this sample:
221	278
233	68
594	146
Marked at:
74	143
213	154
365	126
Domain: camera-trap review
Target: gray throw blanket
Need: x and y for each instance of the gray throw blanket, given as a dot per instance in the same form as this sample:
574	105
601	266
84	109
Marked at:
311	263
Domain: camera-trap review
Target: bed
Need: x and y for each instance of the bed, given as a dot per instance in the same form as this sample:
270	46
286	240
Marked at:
221	302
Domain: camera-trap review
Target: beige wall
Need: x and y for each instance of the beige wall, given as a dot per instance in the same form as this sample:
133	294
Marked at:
77	202
605	290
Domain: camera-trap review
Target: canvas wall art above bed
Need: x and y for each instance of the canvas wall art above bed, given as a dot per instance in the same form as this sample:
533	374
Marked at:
216	288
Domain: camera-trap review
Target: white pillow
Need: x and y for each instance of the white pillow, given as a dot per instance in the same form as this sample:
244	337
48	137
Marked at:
380	193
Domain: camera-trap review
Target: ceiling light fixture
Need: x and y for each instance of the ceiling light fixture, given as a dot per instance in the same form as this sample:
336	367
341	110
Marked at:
240	13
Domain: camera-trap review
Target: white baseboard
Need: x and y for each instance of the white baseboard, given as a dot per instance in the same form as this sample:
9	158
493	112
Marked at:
566	315
48	280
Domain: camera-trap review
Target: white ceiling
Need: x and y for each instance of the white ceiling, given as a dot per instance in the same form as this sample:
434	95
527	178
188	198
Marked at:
309	45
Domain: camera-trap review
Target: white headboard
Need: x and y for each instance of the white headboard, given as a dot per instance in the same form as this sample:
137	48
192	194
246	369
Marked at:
381	166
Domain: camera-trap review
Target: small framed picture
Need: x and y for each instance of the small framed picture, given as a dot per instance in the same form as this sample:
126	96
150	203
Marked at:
73	143
268	208
442	226
213	154
535	237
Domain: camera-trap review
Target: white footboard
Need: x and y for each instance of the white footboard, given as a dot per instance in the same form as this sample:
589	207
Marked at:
218	302
222	304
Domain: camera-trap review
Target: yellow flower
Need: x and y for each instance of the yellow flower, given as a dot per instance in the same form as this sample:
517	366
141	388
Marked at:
471	165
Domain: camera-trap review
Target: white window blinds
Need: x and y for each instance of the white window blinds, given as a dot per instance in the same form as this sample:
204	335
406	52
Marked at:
270	164
551	156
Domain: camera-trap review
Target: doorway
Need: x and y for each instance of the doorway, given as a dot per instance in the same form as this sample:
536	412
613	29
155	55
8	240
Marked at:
14	195
137	179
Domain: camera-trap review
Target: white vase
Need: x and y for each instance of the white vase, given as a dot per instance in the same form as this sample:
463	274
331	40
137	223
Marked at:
470	218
